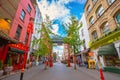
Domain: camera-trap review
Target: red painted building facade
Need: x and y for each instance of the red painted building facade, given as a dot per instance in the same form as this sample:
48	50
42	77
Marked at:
21	30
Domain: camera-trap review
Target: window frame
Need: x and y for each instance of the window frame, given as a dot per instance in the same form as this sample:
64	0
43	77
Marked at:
106	26
26	38
91	20
29	9
110	2
22	15
116	18
88	8
18	32
100	11
94	1
94	37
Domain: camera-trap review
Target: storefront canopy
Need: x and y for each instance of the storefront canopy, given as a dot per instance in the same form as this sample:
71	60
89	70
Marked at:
16	50
6	37
107	50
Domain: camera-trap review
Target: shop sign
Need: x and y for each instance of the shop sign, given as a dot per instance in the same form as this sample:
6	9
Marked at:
4	25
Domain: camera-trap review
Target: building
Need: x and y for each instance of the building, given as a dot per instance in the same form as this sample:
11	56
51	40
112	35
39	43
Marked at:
21	14
37	26
103	19
84	37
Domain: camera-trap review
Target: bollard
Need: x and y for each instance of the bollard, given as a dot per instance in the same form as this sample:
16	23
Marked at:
22	73
101	74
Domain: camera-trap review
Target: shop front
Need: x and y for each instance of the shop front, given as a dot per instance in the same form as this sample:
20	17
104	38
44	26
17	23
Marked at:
110	58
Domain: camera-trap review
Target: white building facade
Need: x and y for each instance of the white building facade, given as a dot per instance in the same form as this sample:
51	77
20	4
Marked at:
36	34
84	37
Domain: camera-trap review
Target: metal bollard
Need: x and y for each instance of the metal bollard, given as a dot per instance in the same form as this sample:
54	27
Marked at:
22	73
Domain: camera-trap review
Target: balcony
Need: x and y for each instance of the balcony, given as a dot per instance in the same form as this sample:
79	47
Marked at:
105	39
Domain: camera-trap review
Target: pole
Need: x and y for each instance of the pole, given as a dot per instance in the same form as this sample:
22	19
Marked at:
100	69
22	73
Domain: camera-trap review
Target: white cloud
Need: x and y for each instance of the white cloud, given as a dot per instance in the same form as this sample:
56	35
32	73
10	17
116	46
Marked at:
58	49
80	1
55	10
55	28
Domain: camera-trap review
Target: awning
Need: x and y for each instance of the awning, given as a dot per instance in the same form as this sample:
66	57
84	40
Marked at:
5	36
17	50
83	52
107	50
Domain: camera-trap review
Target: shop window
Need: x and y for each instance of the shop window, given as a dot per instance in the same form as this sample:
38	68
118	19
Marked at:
110	1
18	32
105	28
94	1
94	35
88	9
29	8
91	20
99	11
22	15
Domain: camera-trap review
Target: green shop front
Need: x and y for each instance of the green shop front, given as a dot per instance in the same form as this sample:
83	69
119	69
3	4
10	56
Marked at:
109	48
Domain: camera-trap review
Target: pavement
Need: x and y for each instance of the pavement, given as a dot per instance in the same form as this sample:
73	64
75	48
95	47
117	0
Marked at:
60	72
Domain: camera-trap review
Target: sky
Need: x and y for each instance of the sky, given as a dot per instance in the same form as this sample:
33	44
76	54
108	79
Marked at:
59	11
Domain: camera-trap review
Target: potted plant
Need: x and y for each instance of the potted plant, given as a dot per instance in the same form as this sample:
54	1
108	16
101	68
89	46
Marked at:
9	66
1	71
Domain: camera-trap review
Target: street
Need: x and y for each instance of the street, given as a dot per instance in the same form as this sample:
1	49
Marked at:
61	72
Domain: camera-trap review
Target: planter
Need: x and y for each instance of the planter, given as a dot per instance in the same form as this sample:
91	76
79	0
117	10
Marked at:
8	69
1	73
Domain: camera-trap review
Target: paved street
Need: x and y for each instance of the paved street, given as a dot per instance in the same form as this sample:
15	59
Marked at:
61	72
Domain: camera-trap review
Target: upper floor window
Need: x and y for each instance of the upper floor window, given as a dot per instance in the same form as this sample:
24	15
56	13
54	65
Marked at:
26	39
82	32
117	18
91	20
94	1
100	11
94	35
29	8
18	32
105	28
88	8
110	1
22	15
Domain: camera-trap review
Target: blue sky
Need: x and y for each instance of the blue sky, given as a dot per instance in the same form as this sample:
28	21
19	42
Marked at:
60	10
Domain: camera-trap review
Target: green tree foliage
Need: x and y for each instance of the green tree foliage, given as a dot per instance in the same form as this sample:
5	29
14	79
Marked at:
73	37
44	43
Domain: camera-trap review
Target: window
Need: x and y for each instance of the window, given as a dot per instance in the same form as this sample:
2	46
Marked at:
26	39
94	1
99	11
117	18
94	35
29	8
22	15
82	32
110	1
105	28
18	32
91	20
88	8
84	44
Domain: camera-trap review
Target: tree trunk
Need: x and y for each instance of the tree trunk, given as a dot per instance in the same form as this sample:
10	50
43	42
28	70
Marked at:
68	56
74	59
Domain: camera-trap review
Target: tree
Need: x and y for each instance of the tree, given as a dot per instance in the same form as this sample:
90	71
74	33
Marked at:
72	38
44	43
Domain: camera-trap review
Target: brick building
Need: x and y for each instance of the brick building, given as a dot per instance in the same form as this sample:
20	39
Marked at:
103	19
21	14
